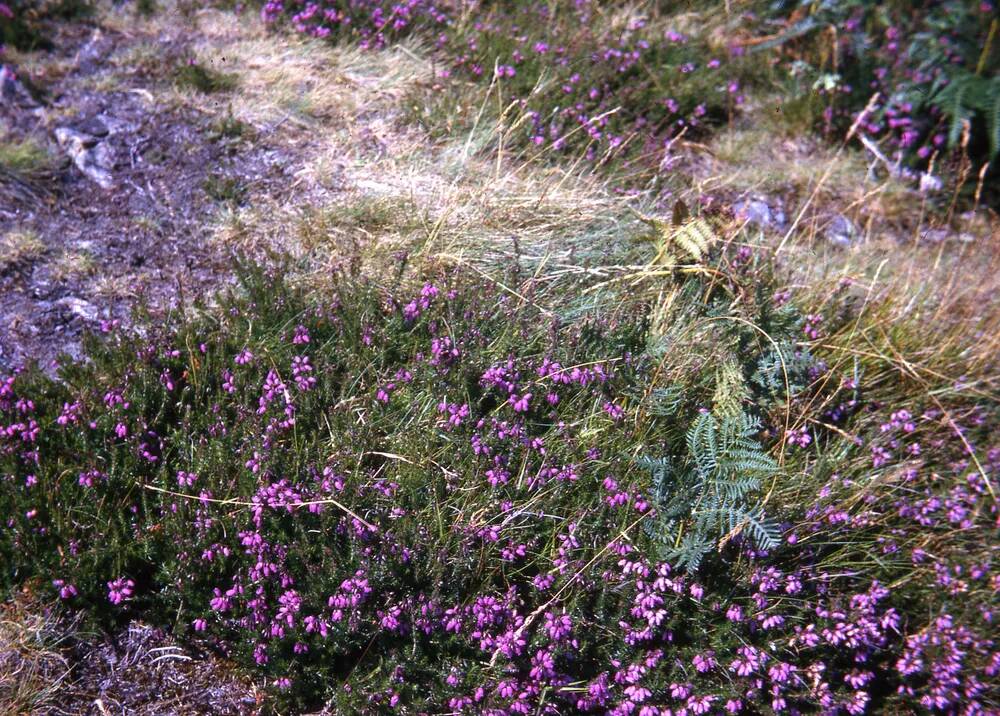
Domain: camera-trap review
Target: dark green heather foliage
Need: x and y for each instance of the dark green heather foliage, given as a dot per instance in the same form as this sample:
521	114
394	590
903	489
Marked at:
432	496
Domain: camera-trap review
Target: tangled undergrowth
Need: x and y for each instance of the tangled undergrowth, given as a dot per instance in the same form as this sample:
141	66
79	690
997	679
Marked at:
455	494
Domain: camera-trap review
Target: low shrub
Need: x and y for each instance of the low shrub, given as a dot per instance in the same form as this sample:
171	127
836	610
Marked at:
607	81
932	65
23	22
449	498
620	82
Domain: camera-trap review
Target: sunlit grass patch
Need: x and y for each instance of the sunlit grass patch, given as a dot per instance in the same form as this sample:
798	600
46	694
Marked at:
32	667
25	157
19	248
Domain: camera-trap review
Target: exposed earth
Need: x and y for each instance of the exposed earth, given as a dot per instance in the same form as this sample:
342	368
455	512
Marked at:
119	215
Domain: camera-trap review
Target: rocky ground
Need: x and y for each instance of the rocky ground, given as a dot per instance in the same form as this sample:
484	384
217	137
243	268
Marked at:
119	213
61	671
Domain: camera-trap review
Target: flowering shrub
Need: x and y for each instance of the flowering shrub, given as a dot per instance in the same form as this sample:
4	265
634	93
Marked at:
621	82
583	76
429	500
933	65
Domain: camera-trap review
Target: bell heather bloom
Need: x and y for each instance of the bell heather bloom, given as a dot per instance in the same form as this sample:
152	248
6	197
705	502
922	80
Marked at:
119	590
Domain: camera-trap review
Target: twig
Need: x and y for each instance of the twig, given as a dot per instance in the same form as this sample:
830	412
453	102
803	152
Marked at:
243	503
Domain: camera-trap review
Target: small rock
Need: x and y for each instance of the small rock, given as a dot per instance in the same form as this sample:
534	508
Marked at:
841	231
757	212
930	184
93	126
78	307
936	236
375	187
91	156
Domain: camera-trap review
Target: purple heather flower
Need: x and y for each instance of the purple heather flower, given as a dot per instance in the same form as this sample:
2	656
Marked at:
705	662
66	590
119	590
520	403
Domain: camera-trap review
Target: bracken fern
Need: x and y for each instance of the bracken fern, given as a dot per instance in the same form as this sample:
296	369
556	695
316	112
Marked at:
706	497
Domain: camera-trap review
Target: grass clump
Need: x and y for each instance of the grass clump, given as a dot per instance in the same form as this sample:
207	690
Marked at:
25	158
18	248
32	667
225	189
613	84
230	128
625	86
70	265
369	215
206	80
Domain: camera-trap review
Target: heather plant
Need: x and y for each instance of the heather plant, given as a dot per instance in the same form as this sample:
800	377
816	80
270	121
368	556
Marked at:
607	82
620	84
671	476
925	75
430	496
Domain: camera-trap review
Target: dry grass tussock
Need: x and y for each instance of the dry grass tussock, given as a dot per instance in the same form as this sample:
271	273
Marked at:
19	247
367	177
32	669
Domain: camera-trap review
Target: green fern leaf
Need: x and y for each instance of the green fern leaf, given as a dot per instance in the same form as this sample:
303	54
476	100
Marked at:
709	493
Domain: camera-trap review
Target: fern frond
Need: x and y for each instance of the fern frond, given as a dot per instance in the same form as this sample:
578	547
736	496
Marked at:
751	461
695	237
739	488
703	444
956	108
664	258
764	534
691	551
665	402
661	470
730	390
708	496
